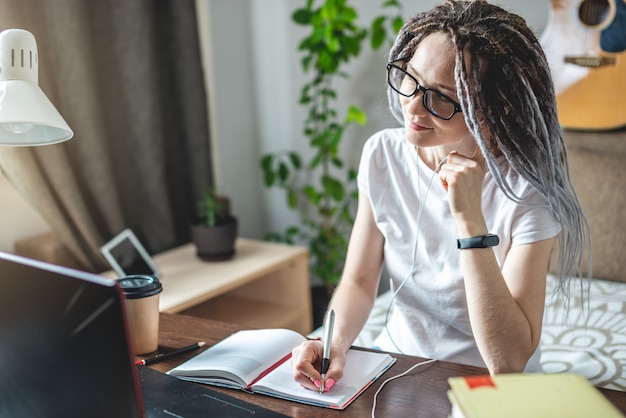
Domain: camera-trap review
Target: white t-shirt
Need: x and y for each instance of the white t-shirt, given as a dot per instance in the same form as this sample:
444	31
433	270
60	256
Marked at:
430	317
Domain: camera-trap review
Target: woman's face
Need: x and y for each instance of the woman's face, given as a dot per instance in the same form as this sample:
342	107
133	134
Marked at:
432	65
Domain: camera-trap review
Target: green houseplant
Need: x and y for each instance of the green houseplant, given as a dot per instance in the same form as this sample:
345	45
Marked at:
214	231
323	190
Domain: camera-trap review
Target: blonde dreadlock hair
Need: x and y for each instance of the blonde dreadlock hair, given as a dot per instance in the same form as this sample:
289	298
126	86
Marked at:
514	98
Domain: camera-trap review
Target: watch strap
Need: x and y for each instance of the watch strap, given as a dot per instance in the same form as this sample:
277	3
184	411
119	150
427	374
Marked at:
481	241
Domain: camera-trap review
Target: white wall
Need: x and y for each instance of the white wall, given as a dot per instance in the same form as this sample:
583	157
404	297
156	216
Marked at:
257	76
254	77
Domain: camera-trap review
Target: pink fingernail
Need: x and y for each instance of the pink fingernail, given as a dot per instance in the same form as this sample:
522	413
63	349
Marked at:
317	383
329	383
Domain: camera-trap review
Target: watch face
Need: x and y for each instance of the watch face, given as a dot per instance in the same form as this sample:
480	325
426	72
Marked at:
483	241
491	240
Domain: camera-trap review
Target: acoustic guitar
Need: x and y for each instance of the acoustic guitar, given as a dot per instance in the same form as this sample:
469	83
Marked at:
584	41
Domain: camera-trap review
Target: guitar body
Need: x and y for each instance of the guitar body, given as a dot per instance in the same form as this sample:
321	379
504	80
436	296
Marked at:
590	81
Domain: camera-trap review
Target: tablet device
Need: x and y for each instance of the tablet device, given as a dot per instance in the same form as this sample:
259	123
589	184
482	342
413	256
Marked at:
127	256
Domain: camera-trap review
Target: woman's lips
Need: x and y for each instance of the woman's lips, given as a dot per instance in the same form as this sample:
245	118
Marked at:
416	126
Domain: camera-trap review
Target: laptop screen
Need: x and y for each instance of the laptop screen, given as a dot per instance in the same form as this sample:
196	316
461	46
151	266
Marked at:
64	347
64	352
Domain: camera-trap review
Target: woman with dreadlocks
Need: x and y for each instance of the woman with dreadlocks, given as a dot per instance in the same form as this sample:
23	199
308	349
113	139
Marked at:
467	254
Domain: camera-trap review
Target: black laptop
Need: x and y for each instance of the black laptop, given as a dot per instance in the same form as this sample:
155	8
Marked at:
65	352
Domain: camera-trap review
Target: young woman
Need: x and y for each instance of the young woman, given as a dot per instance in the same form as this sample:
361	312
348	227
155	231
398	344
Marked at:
464	203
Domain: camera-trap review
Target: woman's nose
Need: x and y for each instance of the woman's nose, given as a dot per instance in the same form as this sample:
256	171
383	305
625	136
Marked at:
415	104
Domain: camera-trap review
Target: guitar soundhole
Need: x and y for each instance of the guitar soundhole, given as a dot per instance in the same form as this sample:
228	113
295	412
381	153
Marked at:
596	14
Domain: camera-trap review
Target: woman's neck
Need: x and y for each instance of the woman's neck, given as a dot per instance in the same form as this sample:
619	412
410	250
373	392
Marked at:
433	156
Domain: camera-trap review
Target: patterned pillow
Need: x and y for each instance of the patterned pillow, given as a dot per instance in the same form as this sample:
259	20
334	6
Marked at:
589	340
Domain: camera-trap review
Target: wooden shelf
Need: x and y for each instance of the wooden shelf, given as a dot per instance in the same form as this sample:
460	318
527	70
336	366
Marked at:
265	285
228	308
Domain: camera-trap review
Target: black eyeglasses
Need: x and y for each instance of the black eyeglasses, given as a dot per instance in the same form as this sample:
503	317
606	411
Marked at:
405	84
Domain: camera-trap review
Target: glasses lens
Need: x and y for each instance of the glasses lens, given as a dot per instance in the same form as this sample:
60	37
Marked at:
401	82
438	104
406	85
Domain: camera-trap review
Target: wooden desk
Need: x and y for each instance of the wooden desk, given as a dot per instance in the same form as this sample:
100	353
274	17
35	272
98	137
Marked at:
422	393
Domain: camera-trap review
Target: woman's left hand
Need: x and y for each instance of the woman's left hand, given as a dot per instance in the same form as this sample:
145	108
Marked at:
463	178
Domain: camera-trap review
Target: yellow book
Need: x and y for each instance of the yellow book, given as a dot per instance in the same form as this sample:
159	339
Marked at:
528	395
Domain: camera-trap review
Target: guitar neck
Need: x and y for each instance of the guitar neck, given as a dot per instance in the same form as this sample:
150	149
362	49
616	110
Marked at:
591	61
585	44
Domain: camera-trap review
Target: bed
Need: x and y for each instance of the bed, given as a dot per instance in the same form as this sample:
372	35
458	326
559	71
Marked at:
590	341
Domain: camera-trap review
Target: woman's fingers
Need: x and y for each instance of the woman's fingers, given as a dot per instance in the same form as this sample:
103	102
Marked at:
306	359
458	165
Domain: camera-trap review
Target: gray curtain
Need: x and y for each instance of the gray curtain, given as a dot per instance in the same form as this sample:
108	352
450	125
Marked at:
127	77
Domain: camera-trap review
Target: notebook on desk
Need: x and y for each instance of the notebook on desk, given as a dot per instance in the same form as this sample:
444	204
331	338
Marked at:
64	351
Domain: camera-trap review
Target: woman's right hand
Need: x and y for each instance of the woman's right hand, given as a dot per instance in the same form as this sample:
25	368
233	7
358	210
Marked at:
306	360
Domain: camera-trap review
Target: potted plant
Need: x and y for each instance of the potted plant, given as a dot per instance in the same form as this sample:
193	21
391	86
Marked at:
214	232
323	190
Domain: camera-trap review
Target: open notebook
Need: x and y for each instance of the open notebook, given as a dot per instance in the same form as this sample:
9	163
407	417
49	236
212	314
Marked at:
65	352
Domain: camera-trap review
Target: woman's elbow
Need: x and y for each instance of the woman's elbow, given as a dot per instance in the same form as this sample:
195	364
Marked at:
514	362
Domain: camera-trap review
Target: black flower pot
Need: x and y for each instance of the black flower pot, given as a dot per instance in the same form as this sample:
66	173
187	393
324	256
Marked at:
215	243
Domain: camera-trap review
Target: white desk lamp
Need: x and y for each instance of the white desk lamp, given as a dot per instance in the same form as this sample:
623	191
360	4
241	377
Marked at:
27	117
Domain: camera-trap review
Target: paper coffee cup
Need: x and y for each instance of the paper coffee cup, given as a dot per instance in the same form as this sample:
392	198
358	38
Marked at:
142	308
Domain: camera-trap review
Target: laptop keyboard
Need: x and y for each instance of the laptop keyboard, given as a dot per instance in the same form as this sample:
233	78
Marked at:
168	396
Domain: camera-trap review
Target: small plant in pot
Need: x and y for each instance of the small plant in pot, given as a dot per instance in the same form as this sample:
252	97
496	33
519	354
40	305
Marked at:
214	232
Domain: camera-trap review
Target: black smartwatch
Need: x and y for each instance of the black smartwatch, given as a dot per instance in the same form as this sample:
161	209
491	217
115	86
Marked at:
481	241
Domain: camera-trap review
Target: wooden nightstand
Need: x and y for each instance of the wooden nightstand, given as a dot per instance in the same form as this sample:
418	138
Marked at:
265	285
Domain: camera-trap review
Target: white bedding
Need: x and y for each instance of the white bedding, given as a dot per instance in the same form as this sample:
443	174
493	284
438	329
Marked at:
590	342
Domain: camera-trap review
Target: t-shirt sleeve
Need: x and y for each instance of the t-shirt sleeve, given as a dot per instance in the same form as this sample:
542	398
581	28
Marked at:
367	156
533	221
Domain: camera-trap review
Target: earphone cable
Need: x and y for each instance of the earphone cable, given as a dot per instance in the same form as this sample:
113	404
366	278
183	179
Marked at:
418	221
404	373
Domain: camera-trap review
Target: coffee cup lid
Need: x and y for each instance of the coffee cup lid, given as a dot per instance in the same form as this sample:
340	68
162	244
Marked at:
140	286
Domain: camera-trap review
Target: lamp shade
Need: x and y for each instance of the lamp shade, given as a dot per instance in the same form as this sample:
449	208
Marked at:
27	117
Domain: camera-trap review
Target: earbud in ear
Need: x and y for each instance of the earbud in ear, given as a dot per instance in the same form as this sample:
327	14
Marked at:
491	119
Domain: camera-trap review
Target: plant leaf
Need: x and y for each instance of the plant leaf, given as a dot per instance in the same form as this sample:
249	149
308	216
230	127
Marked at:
292	199
295	160
283	171
301	16
266	162
333	187
269	178
355	114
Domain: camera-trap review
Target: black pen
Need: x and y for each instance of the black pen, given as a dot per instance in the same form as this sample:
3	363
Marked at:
165	356
328	336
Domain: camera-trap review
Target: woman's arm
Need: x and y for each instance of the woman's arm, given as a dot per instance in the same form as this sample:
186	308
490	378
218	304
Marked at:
352	300
505	306
354	297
